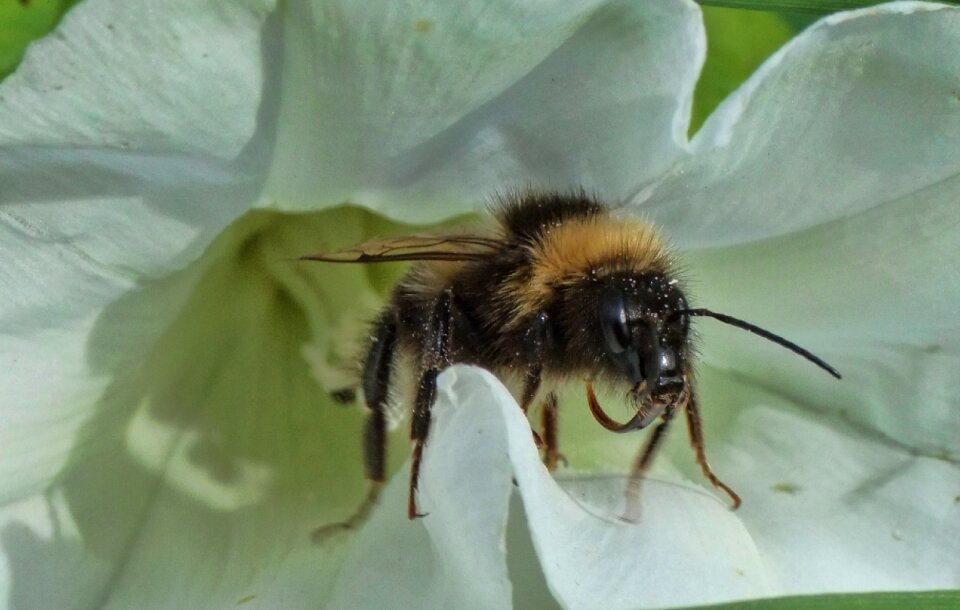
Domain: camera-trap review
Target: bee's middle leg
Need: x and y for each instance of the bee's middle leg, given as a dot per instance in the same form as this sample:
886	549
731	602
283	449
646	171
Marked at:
530	388
536	339
549	422
436	356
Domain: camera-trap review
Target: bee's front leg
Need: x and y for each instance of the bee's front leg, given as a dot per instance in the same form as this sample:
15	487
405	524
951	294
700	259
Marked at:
696	439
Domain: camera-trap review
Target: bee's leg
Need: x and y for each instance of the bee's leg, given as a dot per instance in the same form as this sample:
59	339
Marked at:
537	336
419	427
436	356
376	386
376	391
551	440
696	439
530	387
643	462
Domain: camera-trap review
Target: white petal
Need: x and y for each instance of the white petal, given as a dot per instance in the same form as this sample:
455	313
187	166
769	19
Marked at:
183	76
62	348
210	453
856	110
593	560
66	262
122	542
85	231
453	557
590	559
874	518
830	508
426	110
82	225
874	294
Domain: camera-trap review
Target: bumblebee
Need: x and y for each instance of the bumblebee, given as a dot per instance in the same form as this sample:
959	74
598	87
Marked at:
560	288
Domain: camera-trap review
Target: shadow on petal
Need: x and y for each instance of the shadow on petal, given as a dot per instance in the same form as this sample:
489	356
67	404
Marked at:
213	452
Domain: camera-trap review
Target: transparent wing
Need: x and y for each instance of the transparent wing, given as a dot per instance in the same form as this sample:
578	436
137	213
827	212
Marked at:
414	248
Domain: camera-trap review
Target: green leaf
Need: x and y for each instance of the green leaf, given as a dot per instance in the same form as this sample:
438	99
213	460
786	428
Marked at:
737	43
924	600
815	7
24	21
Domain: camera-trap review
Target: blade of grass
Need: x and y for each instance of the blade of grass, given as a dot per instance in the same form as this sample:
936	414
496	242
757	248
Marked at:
919	600
812	7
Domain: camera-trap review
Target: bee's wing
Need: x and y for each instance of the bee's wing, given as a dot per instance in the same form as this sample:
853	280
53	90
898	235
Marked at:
414	248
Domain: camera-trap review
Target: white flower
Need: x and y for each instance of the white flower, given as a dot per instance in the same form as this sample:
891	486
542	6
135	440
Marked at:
162	443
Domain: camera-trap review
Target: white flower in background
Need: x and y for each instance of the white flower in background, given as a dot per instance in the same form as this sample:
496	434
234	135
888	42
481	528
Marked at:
162	442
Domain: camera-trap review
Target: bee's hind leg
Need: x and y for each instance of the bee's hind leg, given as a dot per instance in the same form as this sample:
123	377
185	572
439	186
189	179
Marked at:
377	369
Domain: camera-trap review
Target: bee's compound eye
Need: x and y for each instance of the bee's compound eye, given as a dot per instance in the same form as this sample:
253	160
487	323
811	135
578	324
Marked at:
613	321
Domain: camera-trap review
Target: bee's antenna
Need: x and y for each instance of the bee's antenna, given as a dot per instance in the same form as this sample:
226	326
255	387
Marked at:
766	334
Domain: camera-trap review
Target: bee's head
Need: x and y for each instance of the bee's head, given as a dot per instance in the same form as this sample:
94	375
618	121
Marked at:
643	336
